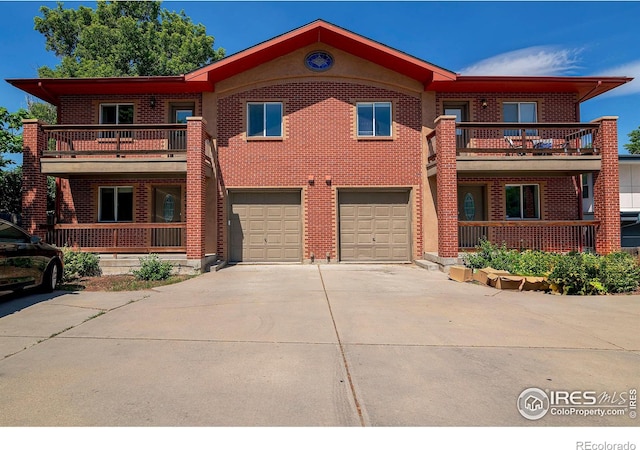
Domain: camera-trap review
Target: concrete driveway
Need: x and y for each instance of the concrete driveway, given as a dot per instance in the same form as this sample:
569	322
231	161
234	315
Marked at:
330	345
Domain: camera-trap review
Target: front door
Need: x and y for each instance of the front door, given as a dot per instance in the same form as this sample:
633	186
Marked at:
471	208
167	208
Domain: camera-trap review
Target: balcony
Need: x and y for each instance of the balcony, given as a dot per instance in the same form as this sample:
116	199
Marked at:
99	149
560	149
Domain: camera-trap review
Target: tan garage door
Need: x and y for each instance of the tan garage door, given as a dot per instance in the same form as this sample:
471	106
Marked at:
374	226
266	227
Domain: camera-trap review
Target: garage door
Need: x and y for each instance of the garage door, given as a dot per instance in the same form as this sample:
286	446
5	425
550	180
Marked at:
266	227
374	226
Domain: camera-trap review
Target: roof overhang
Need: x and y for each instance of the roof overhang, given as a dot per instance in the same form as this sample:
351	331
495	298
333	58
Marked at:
51	89
332	35
585	87
431	76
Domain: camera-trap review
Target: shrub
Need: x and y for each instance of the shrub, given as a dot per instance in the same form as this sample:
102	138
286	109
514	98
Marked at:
535	263
619	272
79	264
490	255
152	268
578	273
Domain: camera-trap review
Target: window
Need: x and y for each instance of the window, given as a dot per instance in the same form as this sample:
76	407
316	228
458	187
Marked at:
522	201
520	112
264	119
374	119
115	204
116	114
586	183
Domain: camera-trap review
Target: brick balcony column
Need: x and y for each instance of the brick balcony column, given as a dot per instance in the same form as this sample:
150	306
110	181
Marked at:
34	182
447	187
606	187
196	188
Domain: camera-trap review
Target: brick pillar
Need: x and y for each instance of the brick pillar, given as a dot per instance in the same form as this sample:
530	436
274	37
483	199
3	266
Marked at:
447	187
196	188
34	182
606	187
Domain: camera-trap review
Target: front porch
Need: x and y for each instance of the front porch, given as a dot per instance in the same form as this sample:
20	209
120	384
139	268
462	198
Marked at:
543	163
124	190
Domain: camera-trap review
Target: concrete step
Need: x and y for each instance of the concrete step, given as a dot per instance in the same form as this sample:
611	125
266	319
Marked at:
427	265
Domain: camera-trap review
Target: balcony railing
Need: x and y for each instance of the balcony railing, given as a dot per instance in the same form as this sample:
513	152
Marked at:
121	237
545	235
115	140
519	139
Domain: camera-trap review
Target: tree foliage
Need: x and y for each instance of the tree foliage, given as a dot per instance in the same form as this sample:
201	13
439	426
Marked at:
634	142
123	38
11	133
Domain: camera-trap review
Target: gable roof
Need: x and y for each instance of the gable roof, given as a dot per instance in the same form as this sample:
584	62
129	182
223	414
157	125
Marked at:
327	33
432	77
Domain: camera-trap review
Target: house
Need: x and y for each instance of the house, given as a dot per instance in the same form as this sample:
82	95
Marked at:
321	145
629	173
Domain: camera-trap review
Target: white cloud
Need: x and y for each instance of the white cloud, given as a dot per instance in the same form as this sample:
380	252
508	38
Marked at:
532	61
631	69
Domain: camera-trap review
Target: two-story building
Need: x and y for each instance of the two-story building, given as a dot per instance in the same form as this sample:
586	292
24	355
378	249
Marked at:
321	145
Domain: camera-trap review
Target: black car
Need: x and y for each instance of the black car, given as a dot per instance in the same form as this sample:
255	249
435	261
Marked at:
26	261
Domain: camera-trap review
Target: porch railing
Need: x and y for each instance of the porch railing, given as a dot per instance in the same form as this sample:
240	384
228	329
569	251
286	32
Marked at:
545	235
518	139
121	237
115	140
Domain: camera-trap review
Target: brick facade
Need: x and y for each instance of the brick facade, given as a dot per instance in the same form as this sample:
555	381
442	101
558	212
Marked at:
320	140
320	143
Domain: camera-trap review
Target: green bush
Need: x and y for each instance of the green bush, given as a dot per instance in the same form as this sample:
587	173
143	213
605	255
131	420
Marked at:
490	255
573	273
535	263
79	264
152	268
619	272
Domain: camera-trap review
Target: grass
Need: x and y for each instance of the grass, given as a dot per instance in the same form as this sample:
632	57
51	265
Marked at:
117	283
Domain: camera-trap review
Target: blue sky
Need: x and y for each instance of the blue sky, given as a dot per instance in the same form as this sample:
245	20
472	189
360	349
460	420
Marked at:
480	38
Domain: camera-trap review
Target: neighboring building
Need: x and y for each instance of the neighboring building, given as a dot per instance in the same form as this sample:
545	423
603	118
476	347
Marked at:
322	145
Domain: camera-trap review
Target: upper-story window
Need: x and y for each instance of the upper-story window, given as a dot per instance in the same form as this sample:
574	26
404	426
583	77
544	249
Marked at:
264	119
374	119
117	114
520	112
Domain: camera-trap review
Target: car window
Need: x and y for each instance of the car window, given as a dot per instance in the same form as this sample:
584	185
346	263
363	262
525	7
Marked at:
9	233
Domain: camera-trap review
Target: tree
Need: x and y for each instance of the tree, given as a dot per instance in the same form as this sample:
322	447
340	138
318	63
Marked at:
10	133
11	188
123	38
634	142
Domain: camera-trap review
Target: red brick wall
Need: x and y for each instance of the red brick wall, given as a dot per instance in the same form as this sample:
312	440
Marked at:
552	107
80	109
558	195
79	197
320	141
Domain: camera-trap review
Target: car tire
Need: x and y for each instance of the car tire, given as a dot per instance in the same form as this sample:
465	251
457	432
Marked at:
50	279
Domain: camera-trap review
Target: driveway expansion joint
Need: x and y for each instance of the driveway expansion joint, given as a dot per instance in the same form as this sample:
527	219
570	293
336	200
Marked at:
344	356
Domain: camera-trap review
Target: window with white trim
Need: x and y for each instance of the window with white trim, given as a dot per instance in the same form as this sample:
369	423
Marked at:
264	119
115	204
374	119
522	201
520	112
